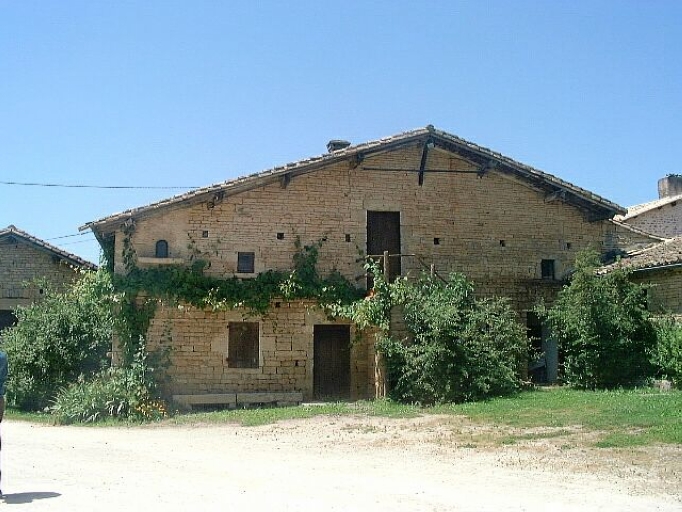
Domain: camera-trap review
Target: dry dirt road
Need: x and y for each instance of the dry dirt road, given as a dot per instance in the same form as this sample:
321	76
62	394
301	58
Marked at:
345	464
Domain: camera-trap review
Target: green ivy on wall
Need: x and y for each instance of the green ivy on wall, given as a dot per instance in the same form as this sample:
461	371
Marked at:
141	290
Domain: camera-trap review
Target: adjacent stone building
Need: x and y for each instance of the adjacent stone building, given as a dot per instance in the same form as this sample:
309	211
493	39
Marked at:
429	198
663	216
25	263
659	268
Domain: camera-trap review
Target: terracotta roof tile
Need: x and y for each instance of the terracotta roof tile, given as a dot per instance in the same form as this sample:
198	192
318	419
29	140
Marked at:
660	255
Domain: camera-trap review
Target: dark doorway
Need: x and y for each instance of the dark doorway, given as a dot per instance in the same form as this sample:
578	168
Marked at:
7	319
544	367
383	234
331	358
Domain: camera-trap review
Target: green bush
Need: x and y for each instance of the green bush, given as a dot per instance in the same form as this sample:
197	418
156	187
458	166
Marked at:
126	393
58	339
458	349
666	356
602	327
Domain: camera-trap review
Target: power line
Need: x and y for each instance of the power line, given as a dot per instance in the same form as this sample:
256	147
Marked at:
65	236
114	187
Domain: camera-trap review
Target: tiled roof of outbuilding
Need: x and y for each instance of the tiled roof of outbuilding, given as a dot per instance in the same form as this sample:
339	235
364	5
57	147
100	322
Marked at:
480	155
13	231
662	255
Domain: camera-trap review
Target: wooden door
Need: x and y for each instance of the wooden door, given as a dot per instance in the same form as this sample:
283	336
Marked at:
383	234
331	359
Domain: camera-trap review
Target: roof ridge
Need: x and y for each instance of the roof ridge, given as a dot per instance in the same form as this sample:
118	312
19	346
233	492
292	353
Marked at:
638	209
313	162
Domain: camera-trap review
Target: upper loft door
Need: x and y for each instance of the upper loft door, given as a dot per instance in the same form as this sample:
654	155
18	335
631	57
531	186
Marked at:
383	234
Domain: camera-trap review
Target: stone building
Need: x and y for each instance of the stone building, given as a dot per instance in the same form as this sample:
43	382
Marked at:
659	268
663	216
429	198
24	261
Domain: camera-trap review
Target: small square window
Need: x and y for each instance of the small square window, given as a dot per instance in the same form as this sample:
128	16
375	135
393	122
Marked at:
503	243
547	269
246	262
436	241
280	236
347	238
243	345
204	234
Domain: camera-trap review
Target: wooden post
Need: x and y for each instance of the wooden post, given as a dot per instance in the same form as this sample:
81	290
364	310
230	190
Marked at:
386	265
380	379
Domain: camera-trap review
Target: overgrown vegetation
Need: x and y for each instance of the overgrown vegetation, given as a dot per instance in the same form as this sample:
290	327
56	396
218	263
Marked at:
59	353
603	328
58	339
459	348
193	286
666	355
126	392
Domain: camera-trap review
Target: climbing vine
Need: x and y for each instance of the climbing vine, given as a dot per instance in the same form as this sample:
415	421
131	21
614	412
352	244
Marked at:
141	290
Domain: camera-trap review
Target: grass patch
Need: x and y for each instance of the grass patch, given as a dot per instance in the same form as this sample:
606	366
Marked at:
623	418
628	417
33	417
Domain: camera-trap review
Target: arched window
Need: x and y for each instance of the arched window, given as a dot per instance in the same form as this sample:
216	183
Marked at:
162	249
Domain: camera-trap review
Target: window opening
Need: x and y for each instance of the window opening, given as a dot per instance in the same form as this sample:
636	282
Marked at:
161	249
246	262
547	269
243	345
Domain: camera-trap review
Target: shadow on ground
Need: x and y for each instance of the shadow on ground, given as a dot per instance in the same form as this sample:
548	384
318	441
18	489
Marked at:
27	497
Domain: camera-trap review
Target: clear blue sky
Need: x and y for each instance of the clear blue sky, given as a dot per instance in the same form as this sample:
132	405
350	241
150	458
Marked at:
168	93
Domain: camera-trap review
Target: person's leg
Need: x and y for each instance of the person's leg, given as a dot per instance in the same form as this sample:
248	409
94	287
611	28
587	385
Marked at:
2	414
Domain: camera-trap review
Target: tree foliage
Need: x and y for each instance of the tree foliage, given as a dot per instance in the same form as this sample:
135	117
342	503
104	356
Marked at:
56	340
459	348
603	327
666	356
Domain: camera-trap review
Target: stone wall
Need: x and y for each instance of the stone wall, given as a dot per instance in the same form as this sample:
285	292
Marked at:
665	221
664	293
196	344
20	264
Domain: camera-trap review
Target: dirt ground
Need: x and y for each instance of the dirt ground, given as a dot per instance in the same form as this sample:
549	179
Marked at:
348	463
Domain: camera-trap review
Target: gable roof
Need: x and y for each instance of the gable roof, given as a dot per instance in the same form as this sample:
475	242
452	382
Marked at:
486	159
639	209
662	255
12	231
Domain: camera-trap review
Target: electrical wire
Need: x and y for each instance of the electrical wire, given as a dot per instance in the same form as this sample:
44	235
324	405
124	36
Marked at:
65	236
110	187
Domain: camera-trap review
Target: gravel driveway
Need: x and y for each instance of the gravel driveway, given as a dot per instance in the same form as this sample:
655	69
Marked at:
324	463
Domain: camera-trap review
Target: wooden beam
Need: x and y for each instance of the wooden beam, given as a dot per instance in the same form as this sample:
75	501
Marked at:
354	162
285	180
559	194
422	164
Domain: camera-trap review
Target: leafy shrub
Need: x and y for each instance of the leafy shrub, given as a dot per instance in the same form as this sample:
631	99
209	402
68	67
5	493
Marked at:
113	393
57	339
459	348
666	356
602	327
